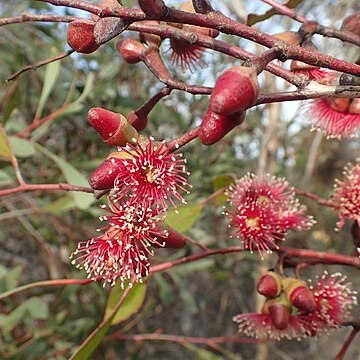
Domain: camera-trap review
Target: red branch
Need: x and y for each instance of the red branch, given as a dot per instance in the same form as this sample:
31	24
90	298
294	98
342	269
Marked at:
184	339
45	187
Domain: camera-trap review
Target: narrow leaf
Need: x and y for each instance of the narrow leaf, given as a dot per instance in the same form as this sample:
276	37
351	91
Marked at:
131	305
254	18
5	150
22	148
72	176
221	182
186	217
51	75
94	339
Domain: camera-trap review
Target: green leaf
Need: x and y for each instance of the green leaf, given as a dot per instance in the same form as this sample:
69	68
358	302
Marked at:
5	178
185	218
34	308
22	148
254	18
131	305
51	74
165	290
185	294
11	101
5	150
87	88
72	176
60	205
220	182
94	339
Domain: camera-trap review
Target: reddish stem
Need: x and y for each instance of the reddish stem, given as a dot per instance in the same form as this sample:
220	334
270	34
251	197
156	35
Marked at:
184	339
347	344
317	198
45	187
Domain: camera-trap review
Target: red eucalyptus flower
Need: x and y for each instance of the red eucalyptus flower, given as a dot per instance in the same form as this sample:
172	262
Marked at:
122	252
334	299
347	195
261	326
151	177
333	118
265	209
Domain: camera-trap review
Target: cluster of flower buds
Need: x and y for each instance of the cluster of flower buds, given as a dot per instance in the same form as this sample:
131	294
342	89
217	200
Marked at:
294	310
282	294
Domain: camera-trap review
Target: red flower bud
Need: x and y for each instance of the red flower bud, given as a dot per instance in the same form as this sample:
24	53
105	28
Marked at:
269	285
104	176
173	240
155	9
355	106
113	128
339	104
80	36
235	90
214	126
138	121
130	50
303	298
280	312
299	294
352	23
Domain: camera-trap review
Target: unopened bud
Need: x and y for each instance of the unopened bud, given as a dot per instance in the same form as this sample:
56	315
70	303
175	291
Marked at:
155	9
235	90
104	176
113	128
130	50
214	126
339	104
269	285
280	312
173	240
299	294
80	36
354	107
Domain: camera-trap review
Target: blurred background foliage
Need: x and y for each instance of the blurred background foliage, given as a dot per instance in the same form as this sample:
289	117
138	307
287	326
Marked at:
38	231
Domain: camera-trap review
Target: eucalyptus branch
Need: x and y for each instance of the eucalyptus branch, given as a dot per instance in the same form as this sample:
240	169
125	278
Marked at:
26	17
45	187
40	64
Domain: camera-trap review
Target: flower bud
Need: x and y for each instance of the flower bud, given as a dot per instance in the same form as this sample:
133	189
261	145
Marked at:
173	239
290	37
138	121
113	128
269	285
235	90
352	23
339	104
214	126
355	106
299	294
103	177
80	36
155	9
279	311
130	50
